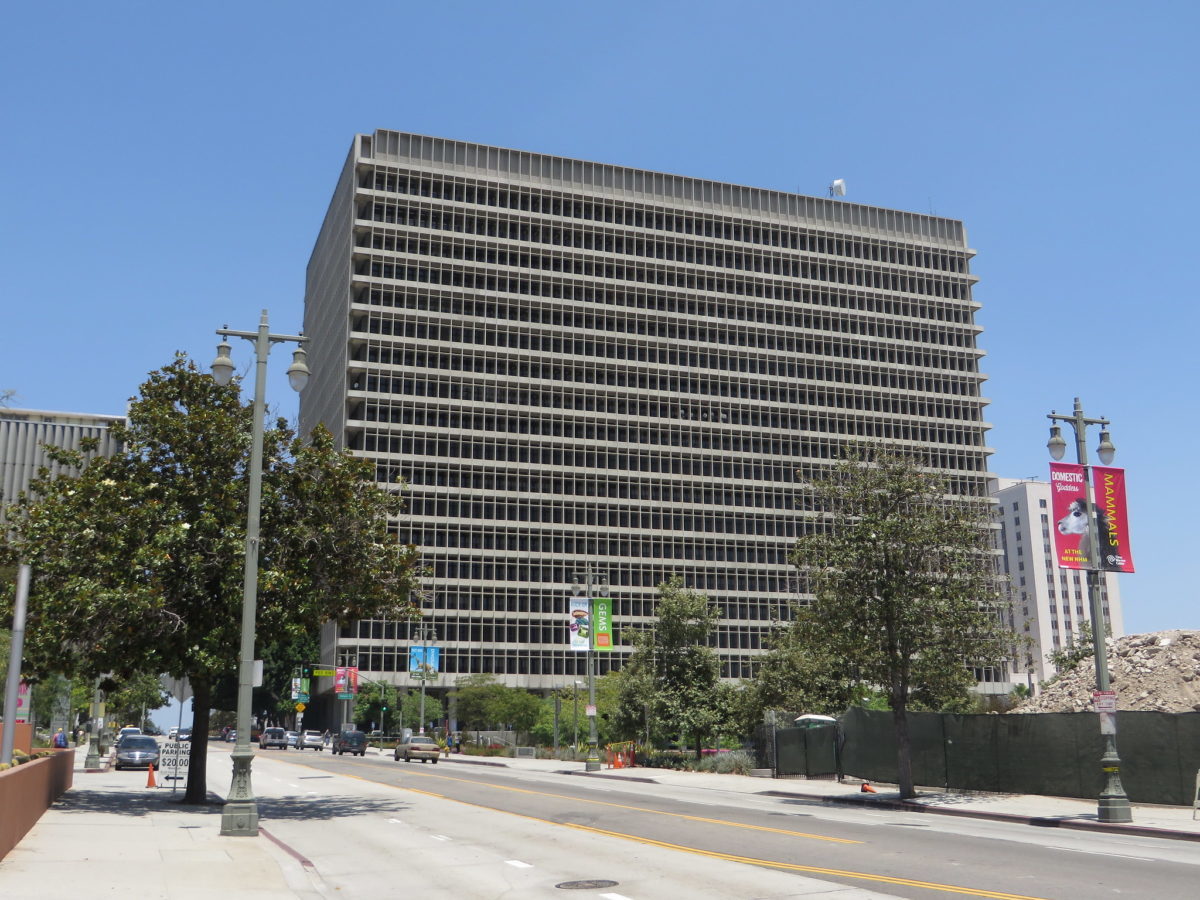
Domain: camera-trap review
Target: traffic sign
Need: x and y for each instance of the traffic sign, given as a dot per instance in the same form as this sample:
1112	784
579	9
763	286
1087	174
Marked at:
322	673
300	707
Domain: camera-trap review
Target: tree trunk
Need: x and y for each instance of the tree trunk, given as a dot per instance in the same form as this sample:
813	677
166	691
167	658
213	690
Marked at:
903	753
197	781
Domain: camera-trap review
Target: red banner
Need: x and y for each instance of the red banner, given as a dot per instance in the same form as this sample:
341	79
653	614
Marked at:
1068	504
1108	486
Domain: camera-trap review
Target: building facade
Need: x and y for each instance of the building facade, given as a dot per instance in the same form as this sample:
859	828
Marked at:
1047	604
24	434
576	365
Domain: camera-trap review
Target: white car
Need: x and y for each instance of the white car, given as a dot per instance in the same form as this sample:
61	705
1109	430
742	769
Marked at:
311	740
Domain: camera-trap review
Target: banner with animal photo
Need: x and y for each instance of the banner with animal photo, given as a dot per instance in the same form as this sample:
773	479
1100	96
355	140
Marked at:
1068	504
579	624
1112	519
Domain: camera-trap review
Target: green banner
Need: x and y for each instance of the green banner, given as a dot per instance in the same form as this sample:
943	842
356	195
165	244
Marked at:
602	632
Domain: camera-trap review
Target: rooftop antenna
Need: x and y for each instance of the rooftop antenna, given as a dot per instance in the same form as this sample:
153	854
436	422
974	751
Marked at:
837	188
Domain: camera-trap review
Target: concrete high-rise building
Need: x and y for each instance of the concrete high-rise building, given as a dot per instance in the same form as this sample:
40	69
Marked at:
575	364
1048	604
24	434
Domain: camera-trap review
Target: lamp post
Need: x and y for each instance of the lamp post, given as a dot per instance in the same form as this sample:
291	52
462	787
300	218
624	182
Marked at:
423	673
592	581
239	816
575	715
1113	804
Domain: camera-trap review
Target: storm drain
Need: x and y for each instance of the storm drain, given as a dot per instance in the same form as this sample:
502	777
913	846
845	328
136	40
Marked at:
586	885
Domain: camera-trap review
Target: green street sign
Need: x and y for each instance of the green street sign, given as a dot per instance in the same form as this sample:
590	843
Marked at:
322	673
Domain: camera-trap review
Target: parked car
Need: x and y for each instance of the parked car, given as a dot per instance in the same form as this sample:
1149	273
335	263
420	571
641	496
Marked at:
136	751
311	740
230	736
273	737
417	746
126	732
293	738
350	742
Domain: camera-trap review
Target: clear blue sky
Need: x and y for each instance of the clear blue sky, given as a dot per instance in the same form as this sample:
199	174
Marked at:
165	168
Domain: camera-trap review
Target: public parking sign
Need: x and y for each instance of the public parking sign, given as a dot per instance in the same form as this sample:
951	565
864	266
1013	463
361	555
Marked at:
174	757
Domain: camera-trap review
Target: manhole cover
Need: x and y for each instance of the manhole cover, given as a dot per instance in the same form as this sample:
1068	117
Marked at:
586	885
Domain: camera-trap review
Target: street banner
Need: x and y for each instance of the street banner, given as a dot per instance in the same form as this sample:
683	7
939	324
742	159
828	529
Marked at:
602	610
1068	506
23	698
1108	487
424	662
345	682
579	624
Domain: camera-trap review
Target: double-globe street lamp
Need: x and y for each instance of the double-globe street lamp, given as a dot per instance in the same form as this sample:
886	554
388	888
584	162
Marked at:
1113	804
240	814
592	582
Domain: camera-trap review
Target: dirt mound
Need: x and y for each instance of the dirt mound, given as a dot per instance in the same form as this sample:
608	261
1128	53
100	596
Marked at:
1156	672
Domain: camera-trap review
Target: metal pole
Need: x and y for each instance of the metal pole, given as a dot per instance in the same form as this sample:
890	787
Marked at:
593	760
92	760
239	816
12	684
1113	805
421	674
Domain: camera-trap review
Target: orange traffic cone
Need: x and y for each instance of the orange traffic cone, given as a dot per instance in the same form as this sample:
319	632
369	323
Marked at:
867	789
150	776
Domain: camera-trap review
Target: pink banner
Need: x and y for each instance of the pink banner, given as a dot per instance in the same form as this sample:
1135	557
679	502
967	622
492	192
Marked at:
1108	486
1068	504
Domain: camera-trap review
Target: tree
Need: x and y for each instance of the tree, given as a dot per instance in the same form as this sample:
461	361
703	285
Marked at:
410	706
904	584
480	701
134	698
672	675
1079	648
137	558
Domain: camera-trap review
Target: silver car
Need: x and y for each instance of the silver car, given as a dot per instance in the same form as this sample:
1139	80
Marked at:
137	751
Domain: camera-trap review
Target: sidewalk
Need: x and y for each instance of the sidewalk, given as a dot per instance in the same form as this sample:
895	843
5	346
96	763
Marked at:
111	834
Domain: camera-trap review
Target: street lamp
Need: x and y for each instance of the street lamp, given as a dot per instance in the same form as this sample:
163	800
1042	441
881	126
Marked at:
575	715
1113	804
239	816
424	634
592	582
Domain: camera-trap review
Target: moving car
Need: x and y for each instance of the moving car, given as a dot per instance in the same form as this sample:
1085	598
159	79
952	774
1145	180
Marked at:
273	737
173	733
417	746
230	737
137	751
124	733
184	734
350	742
311	740
293	738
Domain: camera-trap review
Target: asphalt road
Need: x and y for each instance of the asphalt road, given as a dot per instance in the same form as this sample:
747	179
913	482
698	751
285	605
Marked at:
443	827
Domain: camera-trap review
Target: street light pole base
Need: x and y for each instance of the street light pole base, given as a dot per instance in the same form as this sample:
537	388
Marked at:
1115	810
239	818
592	765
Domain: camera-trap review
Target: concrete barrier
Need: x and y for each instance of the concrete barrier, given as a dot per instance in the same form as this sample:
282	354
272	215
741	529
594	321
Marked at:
28	790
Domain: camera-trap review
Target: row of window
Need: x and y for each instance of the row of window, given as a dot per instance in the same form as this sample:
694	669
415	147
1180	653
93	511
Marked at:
583	368
616	243
644	576
590	299
695	434
659	545
642	216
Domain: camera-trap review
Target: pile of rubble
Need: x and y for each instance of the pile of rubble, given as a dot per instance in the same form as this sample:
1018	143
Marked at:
1158	672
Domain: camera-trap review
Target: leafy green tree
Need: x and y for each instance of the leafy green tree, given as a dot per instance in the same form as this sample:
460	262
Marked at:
520	710
672	676
904	584
1079	648
137	558
411	707
134	697
480	701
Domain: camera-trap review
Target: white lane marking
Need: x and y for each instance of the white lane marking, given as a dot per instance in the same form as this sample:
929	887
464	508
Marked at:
296	786
614	897
439	837
1102	853
395	822
517	864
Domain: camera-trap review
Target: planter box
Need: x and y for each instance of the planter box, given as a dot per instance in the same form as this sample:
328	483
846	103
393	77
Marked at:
28	790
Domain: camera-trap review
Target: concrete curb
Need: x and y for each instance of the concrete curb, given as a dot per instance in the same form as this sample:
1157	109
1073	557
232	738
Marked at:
916	806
